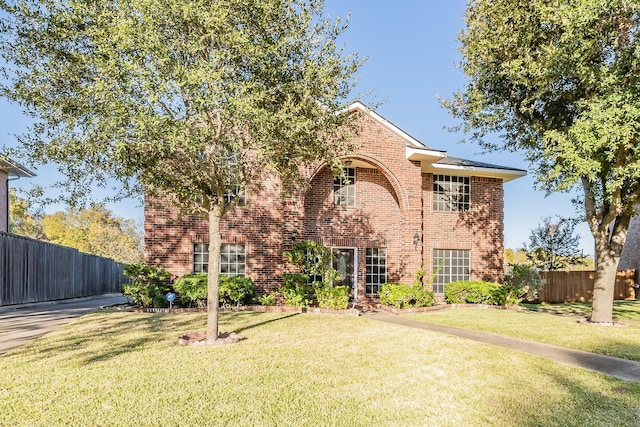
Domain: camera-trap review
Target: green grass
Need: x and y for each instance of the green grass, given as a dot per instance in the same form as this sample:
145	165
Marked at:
622	310
549	327
115	368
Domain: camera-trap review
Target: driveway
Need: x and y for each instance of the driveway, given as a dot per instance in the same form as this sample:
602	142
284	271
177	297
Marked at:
21	324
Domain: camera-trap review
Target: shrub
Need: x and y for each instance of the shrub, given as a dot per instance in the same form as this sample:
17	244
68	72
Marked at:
476	292
296	291
333	297
400	295
236	290
192	289
525	282
310	257
268	299
149	285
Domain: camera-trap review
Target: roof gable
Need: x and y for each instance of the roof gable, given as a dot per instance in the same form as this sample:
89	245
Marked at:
437	161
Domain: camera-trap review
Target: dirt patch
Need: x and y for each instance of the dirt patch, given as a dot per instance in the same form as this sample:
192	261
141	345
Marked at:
200	338
587	321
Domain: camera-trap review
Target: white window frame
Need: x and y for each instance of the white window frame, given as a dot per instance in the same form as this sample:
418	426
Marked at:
344	189
451	193
200	257
375	271
233	259
450	265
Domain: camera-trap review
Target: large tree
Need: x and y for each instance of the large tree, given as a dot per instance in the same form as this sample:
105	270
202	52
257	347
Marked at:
96	231
560	80
191	100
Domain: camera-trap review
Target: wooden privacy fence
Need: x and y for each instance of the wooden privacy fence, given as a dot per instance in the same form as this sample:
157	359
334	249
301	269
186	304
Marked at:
34	271
577	286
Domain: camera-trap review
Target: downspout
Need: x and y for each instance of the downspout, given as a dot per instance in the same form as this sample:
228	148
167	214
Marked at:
7	183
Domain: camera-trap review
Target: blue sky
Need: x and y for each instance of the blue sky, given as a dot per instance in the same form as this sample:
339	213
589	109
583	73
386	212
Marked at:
412	48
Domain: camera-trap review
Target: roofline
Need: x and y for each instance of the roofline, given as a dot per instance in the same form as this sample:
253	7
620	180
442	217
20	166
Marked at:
15	169
425	154
506	174
357	105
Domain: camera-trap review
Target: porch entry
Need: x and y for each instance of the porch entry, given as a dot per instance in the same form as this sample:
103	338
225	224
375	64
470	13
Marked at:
345	260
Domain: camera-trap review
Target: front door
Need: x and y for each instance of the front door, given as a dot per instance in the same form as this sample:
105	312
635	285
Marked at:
344	260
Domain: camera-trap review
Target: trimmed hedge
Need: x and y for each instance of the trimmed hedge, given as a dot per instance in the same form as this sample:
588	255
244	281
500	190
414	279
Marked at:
409	295
477	292
193	289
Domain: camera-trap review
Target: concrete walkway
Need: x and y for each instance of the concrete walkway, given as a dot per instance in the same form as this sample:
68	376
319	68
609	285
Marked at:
21	324
623	369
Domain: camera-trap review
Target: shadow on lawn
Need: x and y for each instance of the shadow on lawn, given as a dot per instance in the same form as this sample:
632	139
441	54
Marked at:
103	336
588	405
266	322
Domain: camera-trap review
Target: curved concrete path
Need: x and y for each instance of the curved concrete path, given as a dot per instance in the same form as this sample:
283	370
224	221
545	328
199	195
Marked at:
21	324
623	369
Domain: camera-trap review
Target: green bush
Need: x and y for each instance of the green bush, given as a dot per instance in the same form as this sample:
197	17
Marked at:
149	285
236	290
524	282
296	291
477	292
193	289
403	296
268	299
333	297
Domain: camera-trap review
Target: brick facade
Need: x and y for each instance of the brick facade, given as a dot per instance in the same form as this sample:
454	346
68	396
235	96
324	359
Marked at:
394	204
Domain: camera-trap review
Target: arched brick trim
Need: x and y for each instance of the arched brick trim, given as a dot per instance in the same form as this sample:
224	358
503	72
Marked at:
400	194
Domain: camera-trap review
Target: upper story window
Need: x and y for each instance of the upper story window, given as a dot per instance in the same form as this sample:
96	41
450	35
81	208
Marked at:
230	195
450	193
344	188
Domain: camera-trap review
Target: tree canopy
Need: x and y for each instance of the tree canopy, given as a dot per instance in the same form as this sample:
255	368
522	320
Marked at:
553	245
190	100
94	230
560	81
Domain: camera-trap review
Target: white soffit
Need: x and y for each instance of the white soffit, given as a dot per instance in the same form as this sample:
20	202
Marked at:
506	174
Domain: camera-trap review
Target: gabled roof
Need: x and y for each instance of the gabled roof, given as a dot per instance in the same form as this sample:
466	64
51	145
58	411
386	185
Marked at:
14	168
437	161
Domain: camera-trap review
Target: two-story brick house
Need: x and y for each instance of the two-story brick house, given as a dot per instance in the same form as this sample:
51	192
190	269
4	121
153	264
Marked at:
404	207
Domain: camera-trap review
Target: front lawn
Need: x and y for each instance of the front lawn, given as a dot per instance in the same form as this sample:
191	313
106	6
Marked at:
116	368
552	328
622	310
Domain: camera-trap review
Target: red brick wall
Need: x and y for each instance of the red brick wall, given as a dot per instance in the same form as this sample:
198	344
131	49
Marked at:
480	230
393	203
169	238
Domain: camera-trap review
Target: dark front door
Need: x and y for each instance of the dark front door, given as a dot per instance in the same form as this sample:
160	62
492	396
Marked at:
344	260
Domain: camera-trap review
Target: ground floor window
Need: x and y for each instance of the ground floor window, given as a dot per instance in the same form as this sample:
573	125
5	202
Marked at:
200	258
376	270
449	265
232	259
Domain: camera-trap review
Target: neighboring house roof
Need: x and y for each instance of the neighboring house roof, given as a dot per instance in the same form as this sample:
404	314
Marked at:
437	161
14	168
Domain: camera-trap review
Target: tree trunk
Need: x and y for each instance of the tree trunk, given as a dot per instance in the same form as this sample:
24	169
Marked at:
215	241
607	259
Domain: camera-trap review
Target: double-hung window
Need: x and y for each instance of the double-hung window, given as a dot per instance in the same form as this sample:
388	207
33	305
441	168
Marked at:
450	193
344	188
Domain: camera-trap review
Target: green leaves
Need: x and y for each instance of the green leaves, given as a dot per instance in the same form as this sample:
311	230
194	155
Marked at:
559	81
140	89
